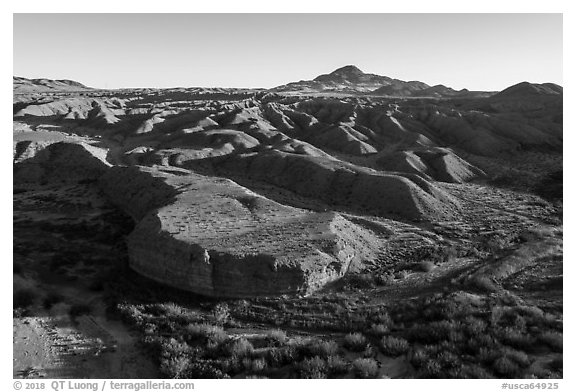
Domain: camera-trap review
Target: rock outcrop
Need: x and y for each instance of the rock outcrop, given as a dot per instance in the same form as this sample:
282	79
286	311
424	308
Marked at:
213	237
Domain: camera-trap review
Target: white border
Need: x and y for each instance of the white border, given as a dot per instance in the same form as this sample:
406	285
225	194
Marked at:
305	6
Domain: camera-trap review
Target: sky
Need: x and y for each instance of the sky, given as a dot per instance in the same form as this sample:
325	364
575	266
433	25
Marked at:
476	51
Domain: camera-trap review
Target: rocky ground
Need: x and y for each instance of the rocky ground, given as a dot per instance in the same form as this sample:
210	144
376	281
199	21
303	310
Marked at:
239	233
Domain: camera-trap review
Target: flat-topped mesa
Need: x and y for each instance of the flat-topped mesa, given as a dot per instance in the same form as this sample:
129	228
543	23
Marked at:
214	237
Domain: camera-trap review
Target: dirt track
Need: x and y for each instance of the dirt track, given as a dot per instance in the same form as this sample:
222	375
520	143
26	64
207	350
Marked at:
54	346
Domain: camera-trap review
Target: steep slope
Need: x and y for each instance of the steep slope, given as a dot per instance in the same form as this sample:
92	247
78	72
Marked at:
59	162
440	164
344	184
400	90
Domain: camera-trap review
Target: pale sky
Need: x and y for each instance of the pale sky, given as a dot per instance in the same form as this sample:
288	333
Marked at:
474	51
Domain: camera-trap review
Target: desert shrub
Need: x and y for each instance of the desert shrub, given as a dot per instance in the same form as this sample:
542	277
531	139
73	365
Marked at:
256	365
221	313
448	360
23	298
488	355
77	310
301	347
433	332
379	330
172	348
150	329
505	367
205	334
314	367
231	365
204	369
355	342
552	339
152	345
393	346
174	367
174	312
239	348
519	357
384	279
281	356
486	340
246	363
473	371
418	357
195	331
474	326
276	337
533	314
516	320
216	335
168	309
51	299
131	314
365	367
499	315
382	317
337	365
431	369
425	266
324	349
515	338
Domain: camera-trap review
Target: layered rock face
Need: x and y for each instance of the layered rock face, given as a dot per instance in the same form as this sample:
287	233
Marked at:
213	237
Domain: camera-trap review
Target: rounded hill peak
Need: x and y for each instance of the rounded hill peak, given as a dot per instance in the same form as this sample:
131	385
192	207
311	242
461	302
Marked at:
348	69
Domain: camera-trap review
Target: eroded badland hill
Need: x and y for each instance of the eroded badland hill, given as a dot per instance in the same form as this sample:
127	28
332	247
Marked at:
354	225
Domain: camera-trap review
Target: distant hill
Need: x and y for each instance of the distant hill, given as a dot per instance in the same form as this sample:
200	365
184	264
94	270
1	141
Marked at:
526	89
30	86
403	89
438	91
350	79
